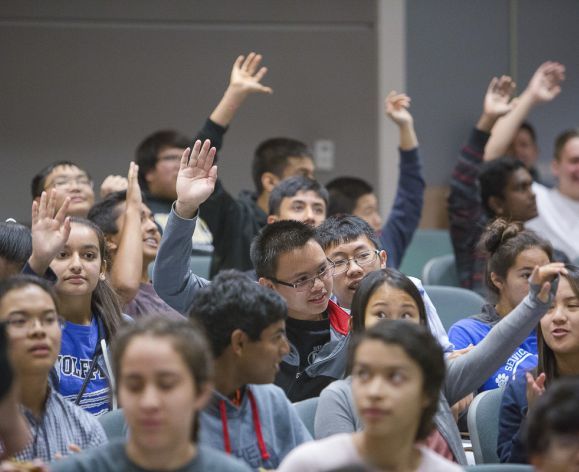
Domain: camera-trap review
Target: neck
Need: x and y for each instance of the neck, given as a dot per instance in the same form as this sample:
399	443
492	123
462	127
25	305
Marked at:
171	457
226	376
33	391
567	364
145	273
503	308
77	309
263	201
397	453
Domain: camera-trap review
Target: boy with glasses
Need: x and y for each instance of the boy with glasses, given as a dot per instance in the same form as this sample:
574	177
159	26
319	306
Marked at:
286	258
67	180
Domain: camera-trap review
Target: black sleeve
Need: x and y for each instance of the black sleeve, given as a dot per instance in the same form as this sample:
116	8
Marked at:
6	374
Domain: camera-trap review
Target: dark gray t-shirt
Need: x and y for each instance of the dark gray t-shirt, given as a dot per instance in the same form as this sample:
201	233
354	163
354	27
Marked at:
112	457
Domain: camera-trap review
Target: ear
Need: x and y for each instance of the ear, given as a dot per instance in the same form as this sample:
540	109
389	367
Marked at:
202	396
103	273
149	175
269	181
238	340
496	204
350	323
266	283
497	281
383	258
272	219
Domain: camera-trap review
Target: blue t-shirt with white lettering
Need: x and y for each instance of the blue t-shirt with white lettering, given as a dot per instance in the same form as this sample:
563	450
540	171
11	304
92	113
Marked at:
474	329
79	343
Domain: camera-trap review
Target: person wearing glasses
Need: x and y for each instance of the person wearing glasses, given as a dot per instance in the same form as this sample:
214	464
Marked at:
28	309
352	244
287	259
68	180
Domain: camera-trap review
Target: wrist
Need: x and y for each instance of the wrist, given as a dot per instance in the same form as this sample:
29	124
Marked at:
38	264
235	95
486	122
185	210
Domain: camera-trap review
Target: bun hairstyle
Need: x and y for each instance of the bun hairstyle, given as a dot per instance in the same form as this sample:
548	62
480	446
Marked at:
502	242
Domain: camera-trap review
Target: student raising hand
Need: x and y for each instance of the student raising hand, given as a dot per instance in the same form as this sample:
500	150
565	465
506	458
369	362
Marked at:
196	178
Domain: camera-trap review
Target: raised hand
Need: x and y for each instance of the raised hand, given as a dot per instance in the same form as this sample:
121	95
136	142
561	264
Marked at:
535	388
196	178
134	197
246	74
497	101
545	84
50	231
545	276
396	106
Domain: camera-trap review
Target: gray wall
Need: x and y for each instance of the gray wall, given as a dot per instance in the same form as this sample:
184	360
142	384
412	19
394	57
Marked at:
87	81
455	47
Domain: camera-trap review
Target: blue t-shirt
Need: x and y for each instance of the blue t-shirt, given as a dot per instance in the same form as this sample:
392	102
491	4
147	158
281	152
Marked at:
473	331
77	350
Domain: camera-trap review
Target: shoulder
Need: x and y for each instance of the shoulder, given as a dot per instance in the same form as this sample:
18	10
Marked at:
270	397
212	459
110	457
338	387
432	462
471	325
330	453
86	425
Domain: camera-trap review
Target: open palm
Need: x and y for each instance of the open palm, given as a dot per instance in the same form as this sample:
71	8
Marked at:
197	176
246	74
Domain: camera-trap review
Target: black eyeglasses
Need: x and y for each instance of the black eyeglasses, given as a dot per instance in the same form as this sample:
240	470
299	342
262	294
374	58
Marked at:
307	284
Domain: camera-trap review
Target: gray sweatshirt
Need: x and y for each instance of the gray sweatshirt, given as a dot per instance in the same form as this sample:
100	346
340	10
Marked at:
336	412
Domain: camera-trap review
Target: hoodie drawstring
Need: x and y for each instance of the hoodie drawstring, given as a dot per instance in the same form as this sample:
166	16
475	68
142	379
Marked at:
256	424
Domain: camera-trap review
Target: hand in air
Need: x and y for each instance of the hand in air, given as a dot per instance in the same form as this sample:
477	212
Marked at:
246	74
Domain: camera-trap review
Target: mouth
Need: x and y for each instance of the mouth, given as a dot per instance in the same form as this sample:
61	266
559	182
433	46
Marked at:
559	332
150	423
373	414
151	242
75	279
319	300
77	199
354	285
40	350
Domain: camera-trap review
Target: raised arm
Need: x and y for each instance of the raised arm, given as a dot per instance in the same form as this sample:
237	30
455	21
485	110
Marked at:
544	86
172	279
405	213
466	373
127	268
50	231
465	210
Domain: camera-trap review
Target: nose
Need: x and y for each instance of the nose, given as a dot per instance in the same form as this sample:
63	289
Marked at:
354	267
285	348
149	226
36	328
560	315
309	216
376	386
150	397
75	263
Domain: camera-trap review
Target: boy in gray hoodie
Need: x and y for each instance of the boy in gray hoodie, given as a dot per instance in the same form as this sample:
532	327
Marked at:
247	417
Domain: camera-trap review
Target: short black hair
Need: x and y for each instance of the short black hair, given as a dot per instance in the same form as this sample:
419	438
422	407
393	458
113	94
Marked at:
15	243
494	178
372	282
275	239
234	301
344	194
272	156
19	281
105	213
555	413
529	128
39	180
291	186
562	140
341	229
419	344
149	149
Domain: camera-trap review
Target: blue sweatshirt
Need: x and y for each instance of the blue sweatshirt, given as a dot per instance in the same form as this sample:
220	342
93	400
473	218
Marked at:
474	329
512	418
261	431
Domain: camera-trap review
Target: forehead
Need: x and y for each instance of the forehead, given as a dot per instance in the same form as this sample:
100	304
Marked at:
148	354
65	171
361	243
82	235
308	196
571	149
564	290
388	295
297	165
303	260
30	298
520	176
531	257
170	151
381	355
367	200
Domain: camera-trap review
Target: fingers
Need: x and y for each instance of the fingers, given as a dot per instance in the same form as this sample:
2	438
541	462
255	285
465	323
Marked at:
74	448
63	210
34	212
51	207
238	62
66	229
185	159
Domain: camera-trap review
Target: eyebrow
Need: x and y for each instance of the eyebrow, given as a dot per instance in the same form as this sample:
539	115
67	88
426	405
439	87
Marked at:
360	248
23	312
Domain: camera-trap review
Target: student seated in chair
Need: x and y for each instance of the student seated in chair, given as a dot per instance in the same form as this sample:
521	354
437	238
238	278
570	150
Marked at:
247	416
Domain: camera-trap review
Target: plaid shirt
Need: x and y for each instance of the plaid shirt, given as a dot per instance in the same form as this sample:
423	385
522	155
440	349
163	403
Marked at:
61	424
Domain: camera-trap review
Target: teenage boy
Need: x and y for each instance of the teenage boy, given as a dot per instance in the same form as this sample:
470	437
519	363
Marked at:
67	180
247	416
132	240
298	270
351	195
352	245
298	198
480	192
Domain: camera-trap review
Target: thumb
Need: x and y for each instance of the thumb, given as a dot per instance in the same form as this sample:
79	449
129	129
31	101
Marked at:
544	292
